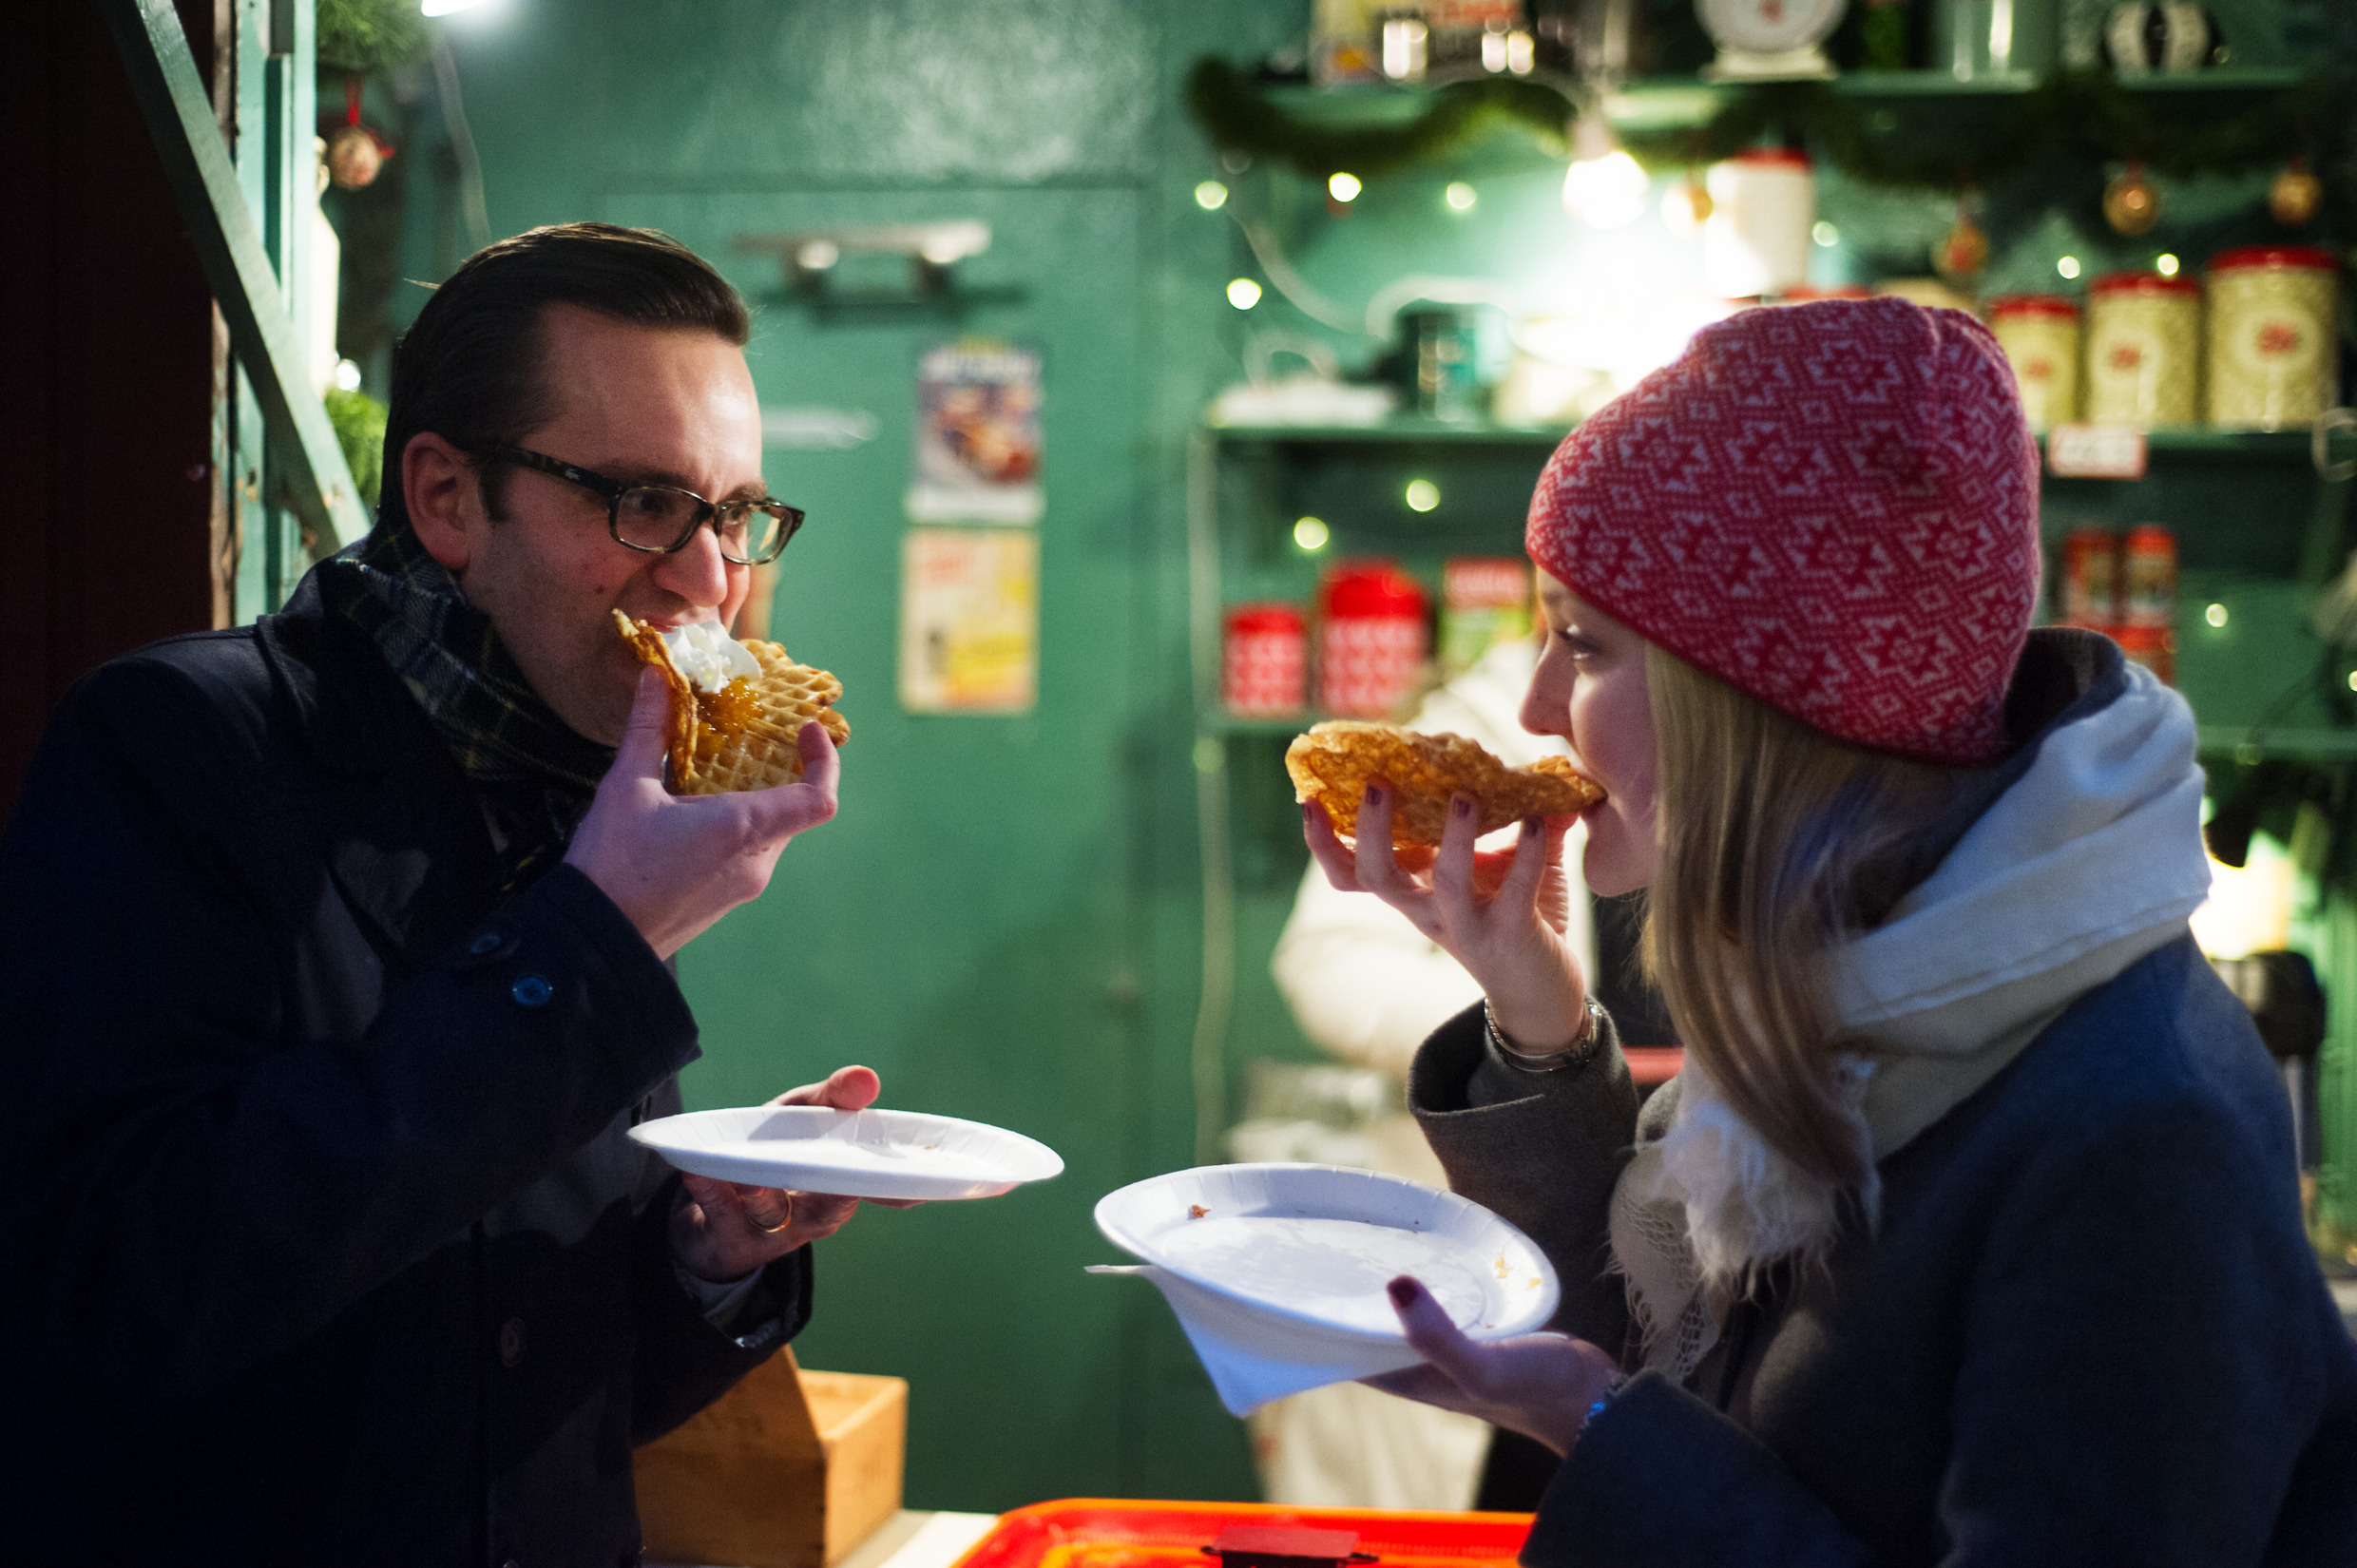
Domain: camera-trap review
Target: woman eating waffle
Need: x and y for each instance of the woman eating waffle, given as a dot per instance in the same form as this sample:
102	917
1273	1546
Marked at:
1968	1234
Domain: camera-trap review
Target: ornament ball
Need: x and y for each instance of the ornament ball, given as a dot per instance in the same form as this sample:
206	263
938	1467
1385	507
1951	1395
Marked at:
352	156
2295	195
2131	206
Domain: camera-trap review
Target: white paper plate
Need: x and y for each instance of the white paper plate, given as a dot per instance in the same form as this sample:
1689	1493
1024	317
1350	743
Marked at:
857	1153
1298	1255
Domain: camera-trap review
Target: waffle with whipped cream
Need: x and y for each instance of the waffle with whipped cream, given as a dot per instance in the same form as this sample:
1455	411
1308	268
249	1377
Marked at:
736	707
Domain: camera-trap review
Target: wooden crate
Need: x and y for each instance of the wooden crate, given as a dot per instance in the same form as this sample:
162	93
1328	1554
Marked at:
790	1469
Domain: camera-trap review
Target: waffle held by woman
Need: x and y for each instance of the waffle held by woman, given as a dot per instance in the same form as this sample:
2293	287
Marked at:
1969	1232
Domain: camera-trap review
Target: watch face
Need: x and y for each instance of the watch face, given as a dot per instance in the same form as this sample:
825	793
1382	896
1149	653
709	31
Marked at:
1768	27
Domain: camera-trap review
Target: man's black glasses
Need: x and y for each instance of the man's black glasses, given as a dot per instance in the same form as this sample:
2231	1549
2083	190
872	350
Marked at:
661	519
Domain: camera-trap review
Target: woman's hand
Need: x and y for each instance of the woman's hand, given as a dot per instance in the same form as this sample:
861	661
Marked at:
1502	914
1538	1384
675	864
722	1231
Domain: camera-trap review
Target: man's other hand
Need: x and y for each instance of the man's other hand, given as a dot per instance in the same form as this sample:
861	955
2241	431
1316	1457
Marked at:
722	1231
676	864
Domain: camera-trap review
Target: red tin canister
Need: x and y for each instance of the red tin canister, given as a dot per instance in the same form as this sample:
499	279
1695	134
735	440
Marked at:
2148	579
1370	641
2090	580
1264	670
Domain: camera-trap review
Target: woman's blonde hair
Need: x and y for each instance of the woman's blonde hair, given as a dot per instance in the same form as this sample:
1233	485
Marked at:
1777	843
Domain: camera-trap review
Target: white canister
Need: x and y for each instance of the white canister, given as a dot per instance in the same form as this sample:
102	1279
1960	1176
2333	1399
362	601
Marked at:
1756	242
2039	334
2143	349
2273	319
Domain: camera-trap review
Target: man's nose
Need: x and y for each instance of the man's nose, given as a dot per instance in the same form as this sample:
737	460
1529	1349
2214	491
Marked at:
694	571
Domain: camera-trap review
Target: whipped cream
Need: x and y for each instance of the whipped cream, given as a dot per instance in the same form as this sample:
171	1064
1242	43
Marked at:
703	652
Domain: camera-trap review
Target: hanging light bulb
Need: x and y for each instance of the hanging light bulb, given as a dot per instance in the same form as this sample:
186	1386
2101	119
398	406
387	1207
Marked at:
1603	188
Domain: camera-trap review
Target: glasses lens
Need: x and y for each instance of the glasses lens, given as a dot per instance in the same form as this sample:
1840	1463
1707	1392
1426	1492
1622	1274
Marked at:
755	533
653	518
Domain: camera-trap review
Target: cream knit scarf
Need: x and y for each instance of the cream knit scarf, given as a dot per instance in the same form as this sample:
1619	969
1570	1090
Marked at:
2088	862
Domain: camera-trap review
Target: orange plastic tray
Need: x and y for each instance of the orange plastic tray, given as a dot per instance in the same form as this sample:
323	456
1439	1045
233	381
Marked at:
1113	1533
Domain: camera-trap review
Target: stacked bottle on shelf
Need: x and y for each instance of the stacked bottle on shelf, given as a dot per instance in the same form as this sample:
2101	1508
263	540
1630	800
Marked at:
1370	631
2126	587
2253	348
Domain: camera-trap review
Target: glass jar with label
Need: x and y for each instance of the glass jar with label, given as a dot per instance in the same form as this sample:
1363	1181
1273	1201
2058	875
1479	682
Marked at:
2039	334
2273	349
2143	349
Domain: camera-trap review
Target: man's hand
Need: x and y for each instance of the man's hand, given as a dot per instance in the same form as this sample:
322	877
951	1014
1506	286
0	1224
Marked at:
675	864
721	1231
1538	1384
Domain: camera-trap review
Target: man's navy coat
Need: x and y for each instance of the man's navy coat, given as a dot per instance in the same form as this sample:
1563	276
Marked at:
325	1240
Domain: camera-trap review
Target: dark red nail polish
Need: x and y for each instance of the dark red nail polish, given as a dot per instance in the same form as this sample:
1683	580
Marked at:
1402	1291
1375	794
1461	807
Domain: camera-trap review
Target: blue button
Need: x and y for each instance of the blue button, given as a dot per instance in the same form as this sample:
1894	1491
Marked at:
483	943
532	990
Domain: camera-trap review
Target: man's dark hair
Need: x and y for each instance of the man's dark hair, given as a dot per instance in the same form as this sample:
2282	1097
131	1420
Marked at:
468	368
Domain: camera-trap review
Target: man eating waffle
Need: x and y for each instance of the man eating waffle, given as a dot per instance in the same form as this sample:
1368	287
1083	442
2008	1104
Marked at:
328	1243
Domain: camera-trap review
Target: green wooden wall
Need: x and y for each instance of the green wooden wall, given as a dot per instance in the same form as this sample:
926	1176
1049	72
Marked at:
1004	920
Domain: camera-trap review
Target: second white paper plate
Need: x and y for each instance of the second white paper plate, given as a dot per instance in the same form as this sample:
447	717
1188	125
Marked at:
1309	1248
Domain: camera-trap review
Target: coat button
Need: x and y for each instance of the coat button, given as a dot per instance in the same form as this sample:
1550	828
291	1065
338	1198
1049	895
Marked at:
485	942
532	991
512	1341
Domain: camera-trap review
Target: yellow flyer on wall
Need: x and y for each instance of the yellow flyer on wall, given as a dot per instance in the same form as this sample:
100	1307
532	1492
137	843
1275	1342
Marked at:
970	621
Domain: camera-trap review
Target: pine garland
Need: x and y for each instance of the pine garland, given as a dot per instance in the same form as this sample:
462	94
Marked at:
361	36
2082	114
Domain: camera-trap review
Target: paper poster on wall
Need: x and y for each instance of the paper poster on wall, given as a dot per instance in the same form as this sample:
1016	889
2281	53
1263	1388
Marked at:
977	433
970	621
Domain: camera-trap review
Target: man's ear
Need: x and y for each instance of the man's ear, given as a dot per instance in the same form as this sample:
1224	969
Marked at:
443	500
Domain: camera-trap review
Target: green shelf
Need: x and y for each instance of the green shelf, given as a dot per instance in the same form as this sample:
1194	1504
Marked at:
1223	723
1668	102
1396	432
2189	441
2201	441
2234	740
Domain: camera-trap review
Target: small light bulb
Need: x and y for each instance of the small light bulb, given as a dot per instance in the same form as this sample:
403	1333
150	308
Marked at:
2215	615
2165	264
1824	234
1211	196
1423	495
1607	192
1311	533
347	376
1342	187
1243	294
2068	266
1460	195
2352	681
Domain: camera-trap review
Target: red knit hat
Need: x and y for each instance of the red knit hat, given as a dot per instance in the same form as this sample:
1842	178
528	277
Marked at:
1833	507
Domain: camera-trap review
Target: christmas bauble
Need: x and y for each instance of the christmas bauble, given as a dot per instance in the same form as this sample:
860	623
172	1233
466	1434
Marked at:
352	156
2295	195
1959	255
2131	206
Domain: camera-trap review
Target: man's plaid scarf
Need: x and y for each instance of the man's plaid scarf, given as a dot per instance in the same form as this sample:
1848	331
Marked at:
534	773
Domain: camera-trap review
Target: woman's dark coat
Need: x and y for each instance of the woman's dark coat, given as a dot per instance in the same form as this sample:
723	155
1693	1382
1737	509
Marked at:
2087	1328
